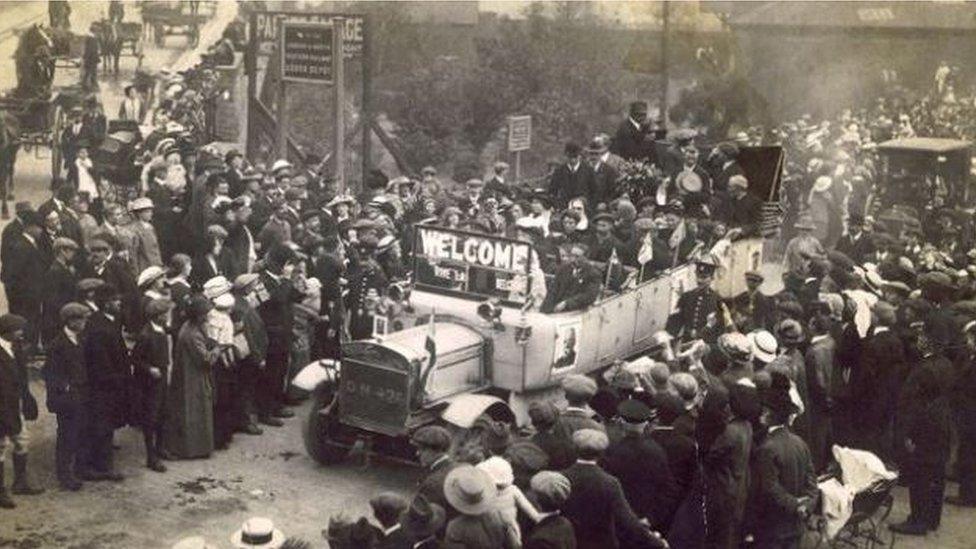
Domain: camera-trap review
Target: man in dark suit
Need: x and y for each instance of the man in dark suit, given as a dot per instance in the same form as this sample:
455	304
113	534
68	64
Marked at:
109	381
604	175
110	268
66	381
152	359
784	474
552	530
724	166
641	466
679	448
963	400
496	185
25	267
571	179
387	508
597	507
59	287
576	286
874	378
235	172
634	139
551	436
433	443
856	244
10	234
90	58
17	405
741	209
277	312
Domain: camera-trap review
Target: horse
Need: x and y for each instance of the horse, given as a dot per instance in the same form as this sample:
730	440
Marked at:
110	44
34	63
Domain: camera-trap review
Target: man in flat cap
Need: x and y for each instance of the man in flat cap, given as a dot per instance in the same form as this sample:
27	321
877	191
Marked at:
248	292
597	507
641	466
433	444
17	406
14	228
60	287
103	263
109	378
152	360
753	309
579	389
66	382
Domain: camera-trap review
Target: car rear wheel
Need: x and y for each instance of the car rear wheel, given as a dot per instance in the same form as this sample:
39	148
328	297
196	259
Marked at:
320	429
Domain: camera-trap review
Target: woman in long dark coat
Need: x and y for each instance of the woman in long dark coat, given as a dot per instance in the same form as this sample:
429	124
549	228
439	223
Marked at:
189	433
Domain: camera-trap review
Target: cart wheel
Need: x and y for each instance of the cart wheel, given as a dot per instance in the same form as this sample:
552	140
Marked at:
318	431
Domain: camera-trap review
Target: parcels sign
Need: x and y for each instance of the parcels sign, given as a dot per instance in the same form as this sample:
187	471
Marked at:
265	28
306	52
519	133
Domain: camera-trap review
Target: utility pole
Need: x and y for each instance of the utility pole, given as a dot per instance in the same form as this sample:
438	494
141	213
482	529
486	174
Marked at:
339	128
367	113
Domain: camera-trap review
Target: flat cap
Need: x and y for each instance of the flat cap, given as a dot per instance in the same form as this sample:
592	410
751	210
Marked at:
89	284
579	386
624	379
149	275
543	413
433	437
885	313
158	307
10	323
685	385
524	455
474	183
609	218
735	345
245	280
388	504
73	311
216	287
591	440
552	486
644	224
216	231
62	243
141	203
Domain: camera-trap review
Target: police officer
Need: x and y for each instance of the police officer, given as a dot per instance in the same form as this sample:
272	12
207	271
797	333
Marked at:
698	315
367	283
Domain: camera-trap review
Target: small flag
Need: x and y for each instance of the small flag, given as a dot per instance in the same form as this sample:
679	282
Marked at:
678	235
430	346
610	263
646	253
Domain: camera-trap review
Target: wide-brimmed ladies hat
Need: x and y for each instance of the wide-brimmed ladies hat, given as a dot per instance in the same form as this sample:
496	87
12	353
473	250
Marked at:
469	490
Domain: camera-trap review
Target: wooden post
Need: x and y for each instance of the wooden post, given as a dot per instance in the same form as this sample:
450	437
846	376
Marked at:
665	76
367	113
282	137
339	126
251	68
518	167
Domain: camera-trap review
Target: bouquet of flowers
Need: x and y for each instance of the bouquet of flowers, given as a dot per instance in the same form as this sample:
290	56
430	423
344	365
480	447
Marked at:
638	180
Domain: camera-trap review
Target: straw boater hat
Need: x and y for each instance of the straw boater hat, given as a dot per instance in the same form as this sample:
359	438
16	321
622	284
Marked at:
258	532
149	275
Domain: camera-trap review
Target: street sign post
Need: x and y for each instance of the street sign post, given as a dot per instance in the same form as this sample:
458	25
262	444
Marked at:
519	139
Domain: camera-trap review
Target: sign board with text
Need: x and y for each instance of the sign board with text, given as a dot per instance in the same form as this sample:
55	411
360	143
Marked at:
471	264
306	52
264	31
519	133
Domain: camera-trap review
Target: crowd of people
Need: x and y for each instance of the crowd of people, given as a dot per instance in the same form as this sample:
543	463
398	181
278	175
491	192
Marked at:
185	307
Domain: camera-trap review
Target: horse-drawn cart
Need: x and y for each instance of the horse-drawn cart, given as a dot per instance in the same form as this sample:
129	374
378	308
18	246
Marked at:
163	19
117	39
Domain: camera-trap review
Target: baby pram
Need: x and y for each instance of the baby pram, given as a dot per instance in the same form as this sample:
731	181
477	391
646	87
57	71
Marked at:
855	502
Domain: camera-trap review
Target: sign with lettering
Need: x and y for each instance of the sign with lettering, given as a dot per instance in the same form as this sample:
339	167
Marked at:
471	263
265	29
374	397
306	52
519	133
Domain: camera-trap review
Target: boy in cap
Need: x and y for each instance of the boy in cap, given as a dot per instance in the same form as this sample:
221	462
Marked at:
433	444
152	359
17	406
597	507
552	530
59	286
66	381
579	389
